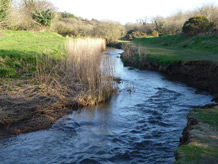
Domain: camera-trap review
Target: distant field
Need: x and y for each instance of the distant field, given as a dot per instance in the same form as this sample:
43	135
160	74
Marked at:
18	50
172	48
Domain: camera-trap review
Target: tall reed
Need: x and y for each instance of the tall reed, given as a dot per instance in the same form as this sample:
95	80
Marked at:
87	64
83	68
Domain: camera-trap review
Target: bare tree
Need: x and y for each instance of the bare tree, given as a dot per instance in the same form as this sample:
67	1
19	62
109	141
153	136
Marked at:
210	11
142	20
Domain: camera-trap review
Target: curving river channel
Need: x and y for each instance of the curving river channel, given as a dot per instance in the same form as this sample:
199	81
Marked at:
141	124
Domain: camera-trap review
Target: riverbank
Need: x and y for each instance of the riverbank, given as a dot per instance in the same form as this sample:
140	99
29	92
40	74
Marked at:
22	96
29	107
196	68
199	141
43	77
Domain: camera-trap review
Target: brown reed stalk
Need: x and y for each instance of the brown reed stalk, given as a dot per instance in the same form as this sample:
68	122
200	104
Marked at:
82	68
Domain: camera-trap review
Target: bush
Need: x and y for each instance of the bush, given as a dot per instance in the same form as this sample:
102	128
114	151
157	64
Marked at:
44	17
68	15
4	6
41	11
17	19
111	31
197	25
135	34
72	27
155	33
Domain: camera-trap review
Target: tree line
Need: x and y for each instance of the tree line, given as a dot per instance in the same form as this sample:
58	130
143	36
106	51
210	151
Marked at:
203	20
38	15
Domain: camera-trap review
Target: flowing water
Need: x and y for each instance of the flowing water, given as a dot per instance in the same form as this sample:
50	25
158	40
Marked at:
141	124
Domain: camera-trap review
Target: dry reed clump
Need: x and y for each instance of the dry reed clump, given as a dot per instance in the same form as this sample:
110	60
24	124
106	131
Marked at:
133	55
82	74
90	67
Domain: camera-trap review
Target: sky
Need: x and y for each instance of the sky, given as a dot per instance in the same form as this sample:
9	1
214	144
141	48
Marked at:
125	11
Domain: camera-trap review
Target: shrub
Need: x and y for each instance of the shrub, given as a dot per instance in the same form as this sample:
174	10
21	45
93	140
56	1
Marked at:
4	6
41	11
197	25
68	15
17	19
155	33
111	31
44	17
72	27
135	34
159	25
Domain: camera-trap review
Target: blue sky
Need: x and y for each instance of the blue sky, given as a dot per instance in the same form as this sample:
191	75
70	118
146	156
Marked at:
125	11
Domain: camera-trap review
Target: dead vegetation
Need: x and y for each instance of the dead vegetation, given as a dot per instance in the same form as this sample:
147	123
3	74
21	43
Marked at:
82	65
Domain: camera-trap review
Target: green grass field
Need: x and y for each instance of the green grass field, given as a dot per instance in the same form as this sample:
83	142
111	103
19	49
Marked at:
18	51
172	48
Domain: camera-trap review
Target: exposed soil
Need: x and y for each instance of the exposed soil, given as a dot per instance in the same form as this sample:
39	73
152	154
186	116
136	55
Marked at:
186	137
31	107
199	74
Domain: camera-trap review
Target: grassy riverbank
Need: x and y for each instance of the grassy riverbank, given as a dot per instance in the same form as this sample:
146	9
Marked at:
44	76
203	136
169	49
193	60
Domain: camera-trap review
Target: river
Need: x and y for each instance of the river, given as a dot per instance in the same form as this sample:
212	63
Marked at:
140	124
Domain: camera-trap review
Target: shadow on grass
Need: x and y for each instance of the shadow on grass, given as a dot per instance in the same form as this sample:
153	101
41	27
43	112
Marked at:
14	64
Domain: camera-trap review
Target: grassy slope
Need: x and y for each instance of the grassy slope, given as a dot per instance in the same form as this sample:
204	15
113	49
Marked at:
173	48
18	50
204	145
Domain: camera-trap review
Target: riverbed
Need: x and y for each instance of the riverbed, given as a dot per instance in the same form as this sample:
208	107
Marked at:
142	123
